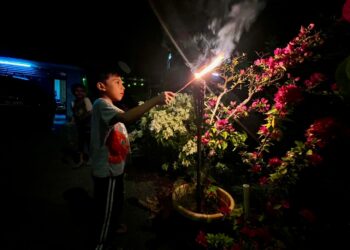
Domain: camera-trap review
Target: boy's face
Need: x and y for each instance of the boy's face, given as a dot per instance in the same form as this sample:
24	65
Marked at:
114	88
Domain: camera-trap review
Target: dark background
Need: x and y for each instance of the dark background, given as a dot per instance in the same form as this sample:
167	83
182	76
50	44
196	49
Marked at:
80	34
86	34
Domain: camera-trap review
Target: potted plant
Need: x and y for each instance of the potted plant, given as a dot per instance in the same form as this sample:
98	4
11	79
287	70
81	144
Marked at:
174	129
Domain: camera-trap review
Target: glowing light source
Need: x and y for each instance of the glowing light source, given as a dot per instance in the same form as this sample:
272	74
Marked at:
21	77
216	62
57	87
210	67
14	63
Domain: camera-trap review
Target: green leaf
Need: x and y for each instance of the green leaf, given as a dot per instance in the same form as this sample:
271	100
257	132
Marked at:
342	76
219	241
224	134
165	166
277	206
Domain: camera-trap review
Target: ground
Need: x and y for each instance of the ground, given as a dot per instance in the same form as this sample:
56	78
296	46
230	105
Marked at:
48	203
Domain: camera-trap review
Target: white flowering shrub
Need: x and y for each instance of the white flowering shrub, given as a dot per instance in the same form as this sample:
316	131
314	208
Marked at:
171	128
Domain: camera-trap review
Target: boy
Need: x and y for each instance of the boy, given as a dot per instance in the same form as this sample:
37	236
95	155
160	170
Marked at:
109	149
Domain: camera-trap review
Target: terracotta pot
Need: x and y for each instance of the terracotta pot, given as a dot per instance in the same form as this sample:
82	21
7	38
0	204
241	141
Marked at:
185	189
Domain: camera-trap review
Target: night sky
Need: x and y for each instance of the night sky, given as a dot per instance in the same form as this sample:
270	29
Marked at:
82	35
99	32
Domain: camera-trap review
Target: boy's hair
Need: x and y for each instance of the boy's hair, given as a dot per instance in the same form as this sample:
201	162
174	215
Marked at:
100	74
76	86
104	75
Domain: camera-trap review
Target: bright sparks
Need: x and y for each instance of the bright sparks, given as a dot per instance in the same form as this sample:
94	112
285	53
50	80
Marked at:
210	67
216	62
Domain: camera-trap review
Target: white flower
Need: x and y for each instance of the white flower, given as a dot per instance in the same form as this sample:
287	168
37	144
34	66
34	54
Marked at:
190	148
172	126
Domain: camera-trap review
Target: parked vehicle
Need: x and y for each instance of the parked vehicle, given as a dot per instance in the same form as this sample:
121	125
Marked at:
25	106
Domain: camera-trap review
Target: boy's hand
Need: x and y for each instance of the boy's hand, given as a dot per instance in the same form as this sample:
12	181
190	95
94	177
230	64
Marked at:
166	97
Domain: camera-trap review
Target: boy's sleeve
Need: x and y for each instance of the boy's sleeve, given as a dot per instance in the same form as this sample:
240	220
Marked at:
109	113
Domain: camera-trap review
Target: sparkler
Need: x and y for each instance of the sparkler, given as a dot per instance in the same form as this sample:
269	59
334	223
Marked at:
216	62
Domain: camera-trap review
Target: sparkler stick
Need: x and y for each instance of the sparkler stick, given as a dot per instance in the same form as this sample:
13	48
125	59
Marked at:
211	66
185	86
169	34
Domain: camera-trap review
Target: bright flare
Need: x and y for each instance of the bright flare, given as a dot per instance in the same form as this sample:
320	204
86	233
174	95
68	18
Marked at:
211	66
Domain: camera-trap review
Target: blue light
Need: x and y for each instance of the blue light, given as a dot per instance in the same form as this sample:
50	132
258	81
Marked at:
14	63
21	78
57	87
169	60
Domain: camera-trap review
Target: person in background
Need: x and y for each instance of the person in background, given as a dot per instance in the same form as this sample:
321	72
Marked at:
81	109
109	149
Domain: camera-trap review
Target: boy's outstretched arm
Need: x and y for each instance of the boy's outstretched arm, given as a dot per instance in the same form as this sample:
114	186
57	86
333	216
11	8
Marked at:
135	113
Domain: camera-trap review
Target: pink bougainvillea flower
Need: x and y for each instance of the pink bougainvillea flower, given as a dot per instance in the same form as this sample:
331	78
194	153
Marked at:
274	162
287	94
201	239
263	180
334	87
285	204
260	105
315	159
346	11
224	209
314	80
256	168
321	131
220	124
248	231
236	247
212	102
308	215
263	130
